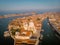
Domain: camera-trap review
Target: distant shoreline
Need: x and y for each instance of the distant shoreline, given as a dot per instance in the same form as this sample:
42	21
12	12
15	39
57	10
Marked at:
27	14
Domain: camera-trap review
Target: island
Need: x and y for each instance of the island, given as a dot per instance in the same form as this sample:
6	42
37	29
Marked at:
26	30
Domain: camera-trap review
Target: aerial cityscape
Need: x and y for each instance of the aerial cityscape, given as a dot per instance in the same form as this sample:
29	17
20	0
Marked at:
29	22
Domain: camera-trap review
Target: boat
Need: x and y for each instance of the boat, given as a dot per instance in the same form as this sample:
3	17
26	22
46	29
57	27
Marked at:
6	34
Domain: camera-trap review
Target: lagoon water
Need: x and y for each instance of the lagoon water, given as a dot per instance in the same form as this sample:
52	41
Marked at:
49	37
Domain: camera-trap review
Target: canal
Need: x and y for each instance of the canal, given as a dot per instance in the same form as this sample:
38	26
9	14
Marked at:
49	37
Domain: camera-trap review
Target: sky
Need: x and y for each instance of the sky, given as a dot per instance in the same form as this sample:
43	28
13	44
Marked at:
28	4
